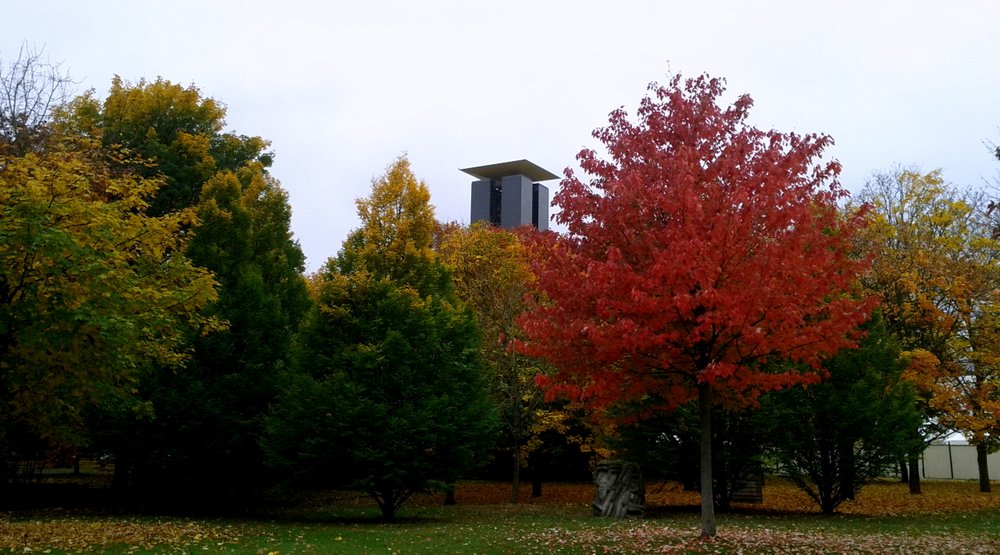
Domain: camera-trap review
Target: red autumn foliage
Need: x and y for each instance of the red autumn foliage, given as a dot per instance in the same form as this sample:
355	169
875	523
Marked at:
700	249
699	252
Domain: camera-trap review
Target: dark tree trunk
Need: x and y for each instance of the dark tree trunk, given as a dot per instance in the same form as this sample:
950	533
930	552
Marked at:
515	482
707	498
388	499
984	468
536	484
904	471
914	463
827	504
121	479
826	479
535	470
846	468
388	505
449	494
720	490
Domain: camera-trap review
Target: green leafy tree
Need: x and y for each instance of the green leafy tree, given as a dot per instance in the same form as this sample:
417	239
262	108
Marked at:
211	416
92	291
205	426
390	395
849	429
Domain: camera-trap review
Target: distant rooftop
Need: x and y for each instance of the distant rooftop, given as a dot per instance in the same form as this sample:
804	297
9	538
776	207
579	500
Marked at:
514	167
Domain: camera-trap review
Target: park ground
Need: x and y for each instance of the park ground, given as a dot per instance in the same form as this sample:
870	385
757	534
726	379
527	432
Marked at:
949	517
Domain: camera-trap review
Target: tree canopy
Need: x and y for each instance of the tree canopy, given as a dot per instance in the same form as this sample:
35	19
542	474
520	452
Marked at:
936	266
210	415
92	289
170	130
700	250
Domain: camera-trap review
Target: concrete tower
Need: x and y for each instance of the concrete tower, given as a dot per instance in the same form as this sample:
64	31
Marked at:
509	195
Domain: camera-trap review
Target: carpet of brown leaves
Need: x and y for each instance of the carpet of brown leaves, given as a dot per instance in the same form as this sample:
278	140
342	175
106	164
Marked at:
652	537
882	498
44	532
90	533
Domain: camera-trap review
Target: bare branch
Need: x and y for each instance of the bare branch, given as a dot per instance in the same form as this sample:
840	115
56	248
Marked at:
31	87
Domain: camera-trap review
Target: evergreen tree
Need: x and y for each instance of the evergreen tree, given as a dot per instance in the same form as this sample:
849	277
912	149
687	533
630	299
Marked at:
390	396
835	437
210	416
203	430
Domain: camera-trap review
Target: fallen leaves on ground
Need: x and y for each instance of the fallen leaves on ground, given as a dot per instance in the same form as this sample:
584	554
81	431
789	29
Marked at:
669	529
653	537
84	533
881	498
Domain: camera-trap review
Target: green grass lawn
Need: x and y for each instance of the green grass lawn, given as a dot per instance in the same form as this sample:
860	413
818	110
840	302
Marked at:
950	517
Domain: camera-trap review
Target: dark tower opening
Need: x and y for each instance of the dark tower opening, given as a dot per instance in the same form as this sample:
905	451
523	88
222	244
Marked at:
534	204
495	206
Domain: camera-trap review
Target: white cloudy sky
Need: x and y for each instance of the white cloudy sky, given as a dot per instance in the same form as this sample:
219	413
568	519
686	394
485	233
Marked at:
342	88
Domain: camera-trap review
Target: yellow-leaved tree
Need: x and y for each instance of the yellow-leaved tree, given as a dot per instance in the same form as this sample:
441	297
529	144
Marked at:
92	291
492	277
936	267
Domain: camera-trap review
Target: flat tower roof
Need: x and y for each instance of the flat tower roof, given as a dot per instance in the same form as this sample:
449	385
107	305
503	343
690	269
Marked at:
514	167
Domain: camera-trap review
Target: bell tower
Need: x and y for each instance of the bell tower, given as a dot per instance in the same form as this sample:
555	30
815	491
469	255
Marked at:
508	194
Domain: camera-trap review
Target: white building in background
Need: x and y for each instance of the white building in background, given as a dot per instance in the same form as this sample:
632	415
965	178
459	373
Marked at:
955	461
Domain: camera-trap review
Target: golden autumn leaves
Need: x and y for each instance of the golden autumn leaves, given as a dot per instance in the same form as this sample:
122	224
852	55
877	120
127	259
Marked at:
92	287
936	267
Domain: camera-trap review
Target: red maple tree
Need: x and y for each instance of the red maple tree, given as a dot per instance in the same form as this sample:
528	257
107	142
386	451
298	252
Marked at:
701	250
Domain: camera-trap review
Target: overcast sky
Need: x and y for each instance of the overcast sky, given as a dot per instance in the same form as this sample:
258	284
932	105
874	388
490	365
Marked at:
342	88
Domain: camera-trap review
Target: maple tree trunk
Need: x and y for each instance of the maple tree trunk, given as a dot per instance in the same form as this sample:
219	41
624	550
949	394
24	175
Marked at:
984	468
705	422
914	482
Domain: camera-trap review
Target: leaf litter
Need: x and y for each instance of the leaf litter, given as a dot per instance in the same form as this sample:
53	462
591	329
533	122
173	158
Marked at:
787	523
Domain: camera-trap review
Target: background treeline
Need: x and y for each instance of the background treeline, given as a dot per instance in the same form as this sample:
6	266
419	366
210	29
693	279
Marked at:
154	314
